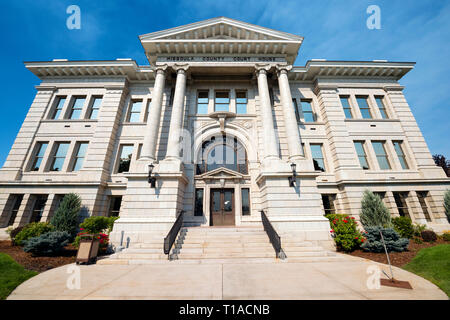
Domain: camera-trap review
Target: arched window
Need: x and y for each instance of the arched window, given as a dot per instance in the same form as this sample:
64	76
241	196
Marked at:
222	152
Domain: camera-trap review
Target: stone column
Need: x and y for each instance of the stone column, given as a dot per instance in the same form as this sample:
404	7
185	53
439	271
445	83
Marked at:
270	143
176	119
290	121
148	151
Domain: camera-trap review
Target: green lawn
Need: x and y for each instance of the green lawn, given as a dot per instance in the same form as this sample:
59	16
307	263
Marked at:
11	275
433	264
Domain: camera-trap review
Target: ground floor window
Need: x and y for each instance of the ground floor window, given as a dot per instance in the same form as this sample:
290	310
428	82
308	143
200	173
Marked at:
400	201
423	195
38	208
114	206
198	205
328	203
17	201
245	193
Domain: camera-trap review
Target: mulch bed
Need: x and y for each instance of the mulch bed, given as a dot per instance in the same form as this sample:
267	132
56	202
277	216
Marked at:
398	259
39	264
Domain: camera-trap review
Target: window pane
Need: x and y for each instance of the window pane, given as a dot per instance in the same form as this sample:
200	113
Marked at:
241	108
381	107
347	108
135	111
422	195
95	108
366	114
58	164
79	103
364	107
125	158
202	108
316	151
400	154
134	117
306	105
62	150
361	155
198	206
309	117
318	160
245	201
94	114
79	159
77	108
76	114
59	108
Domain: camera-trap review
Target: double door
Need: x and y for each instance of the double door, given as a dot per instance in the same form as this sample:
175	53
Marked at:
222	207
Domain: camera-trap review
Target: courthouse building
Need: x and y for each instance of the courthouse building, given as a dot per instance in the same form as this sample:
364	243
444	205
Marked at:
225	119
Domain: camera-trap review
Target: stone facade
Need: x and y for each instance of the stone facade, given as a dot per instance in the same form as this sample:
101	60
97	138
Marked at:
164	113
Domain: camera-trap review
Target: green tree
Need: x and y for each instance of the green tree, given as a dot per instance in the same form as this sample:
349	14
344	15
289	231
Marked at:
66	218
373	211
447	203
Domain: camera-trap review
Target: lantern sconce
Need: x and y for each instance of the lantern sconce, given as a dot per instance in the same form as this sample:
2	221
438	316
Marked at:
151	179
293	178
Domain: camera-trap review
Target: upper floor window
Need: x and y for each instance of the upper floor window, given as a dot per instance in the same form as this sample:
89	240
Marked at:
359	146
59	156
346	106
126	151
59	107
245	196
95	107
80	155
364	107
222	101
400	154
317	156
381	155
308	113
39	155
135	111
202	102
77	107
381	107
241	102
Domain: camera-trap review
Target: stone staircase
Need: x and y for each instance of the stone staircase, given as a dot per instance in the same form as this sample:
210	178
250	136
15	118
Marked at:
204	245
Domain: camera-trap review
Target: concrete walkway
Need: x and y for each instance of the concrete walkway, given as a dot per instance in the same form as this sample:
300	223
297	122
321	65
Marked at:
345	279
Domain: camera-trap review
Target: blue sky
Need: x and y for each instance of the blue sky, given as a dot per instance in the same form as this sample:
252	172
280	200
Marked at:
416	31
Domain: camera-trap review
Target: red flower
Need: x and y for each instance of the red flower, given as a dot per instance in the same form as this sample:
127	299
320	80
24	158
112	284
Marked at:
356	238
81	228
345	221
353	218
332	230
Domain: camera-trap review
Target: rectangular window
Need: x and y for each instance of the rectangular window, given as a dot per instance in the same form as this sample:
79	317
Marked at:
40	151
381	154
202	102
245	193
364	107
222	101
422	195
317	156
382	195
114	206
400	201
297	112
38	208
135	111
80	155
328	203
198	205
60	156
59	107
241	102
400	154
96	102
126	151
17	198
346	106
360	151
308	114
77	107
381	107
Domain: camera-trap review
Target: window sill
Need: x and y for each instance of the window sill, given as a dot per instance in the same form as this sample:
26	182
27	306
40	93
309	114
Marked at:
68	120
372	120
134	123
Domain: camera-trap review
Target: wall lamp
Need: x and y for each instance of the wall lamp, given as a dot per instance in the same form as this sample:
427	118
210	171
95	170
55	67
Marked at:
293	178
151	180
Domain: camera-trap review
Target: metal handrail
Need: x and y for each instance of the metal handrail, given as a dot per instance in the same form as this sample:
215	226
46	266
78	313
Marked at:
272	234
173	233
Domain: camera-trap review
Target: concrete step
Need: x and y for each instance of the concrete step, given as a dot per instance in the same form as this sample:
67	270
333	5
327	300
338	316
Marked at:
219	255
239	244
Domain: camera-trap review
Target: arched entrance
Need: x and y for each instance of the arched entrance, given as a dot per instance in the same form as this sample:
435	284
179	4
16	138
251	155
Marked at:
222	178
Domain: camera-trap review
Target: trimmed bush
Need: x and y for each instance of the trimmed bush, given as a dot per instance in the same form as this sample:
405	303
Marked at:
13	233
66	217
447	203
47	244
446	235
391	238
31	230
345	233
418	228
403	226
373	211
428	236
99	226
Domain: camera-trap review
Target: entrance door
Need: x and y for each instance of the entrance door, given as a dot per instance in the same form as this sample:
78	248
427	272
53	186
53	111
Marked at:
222	207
